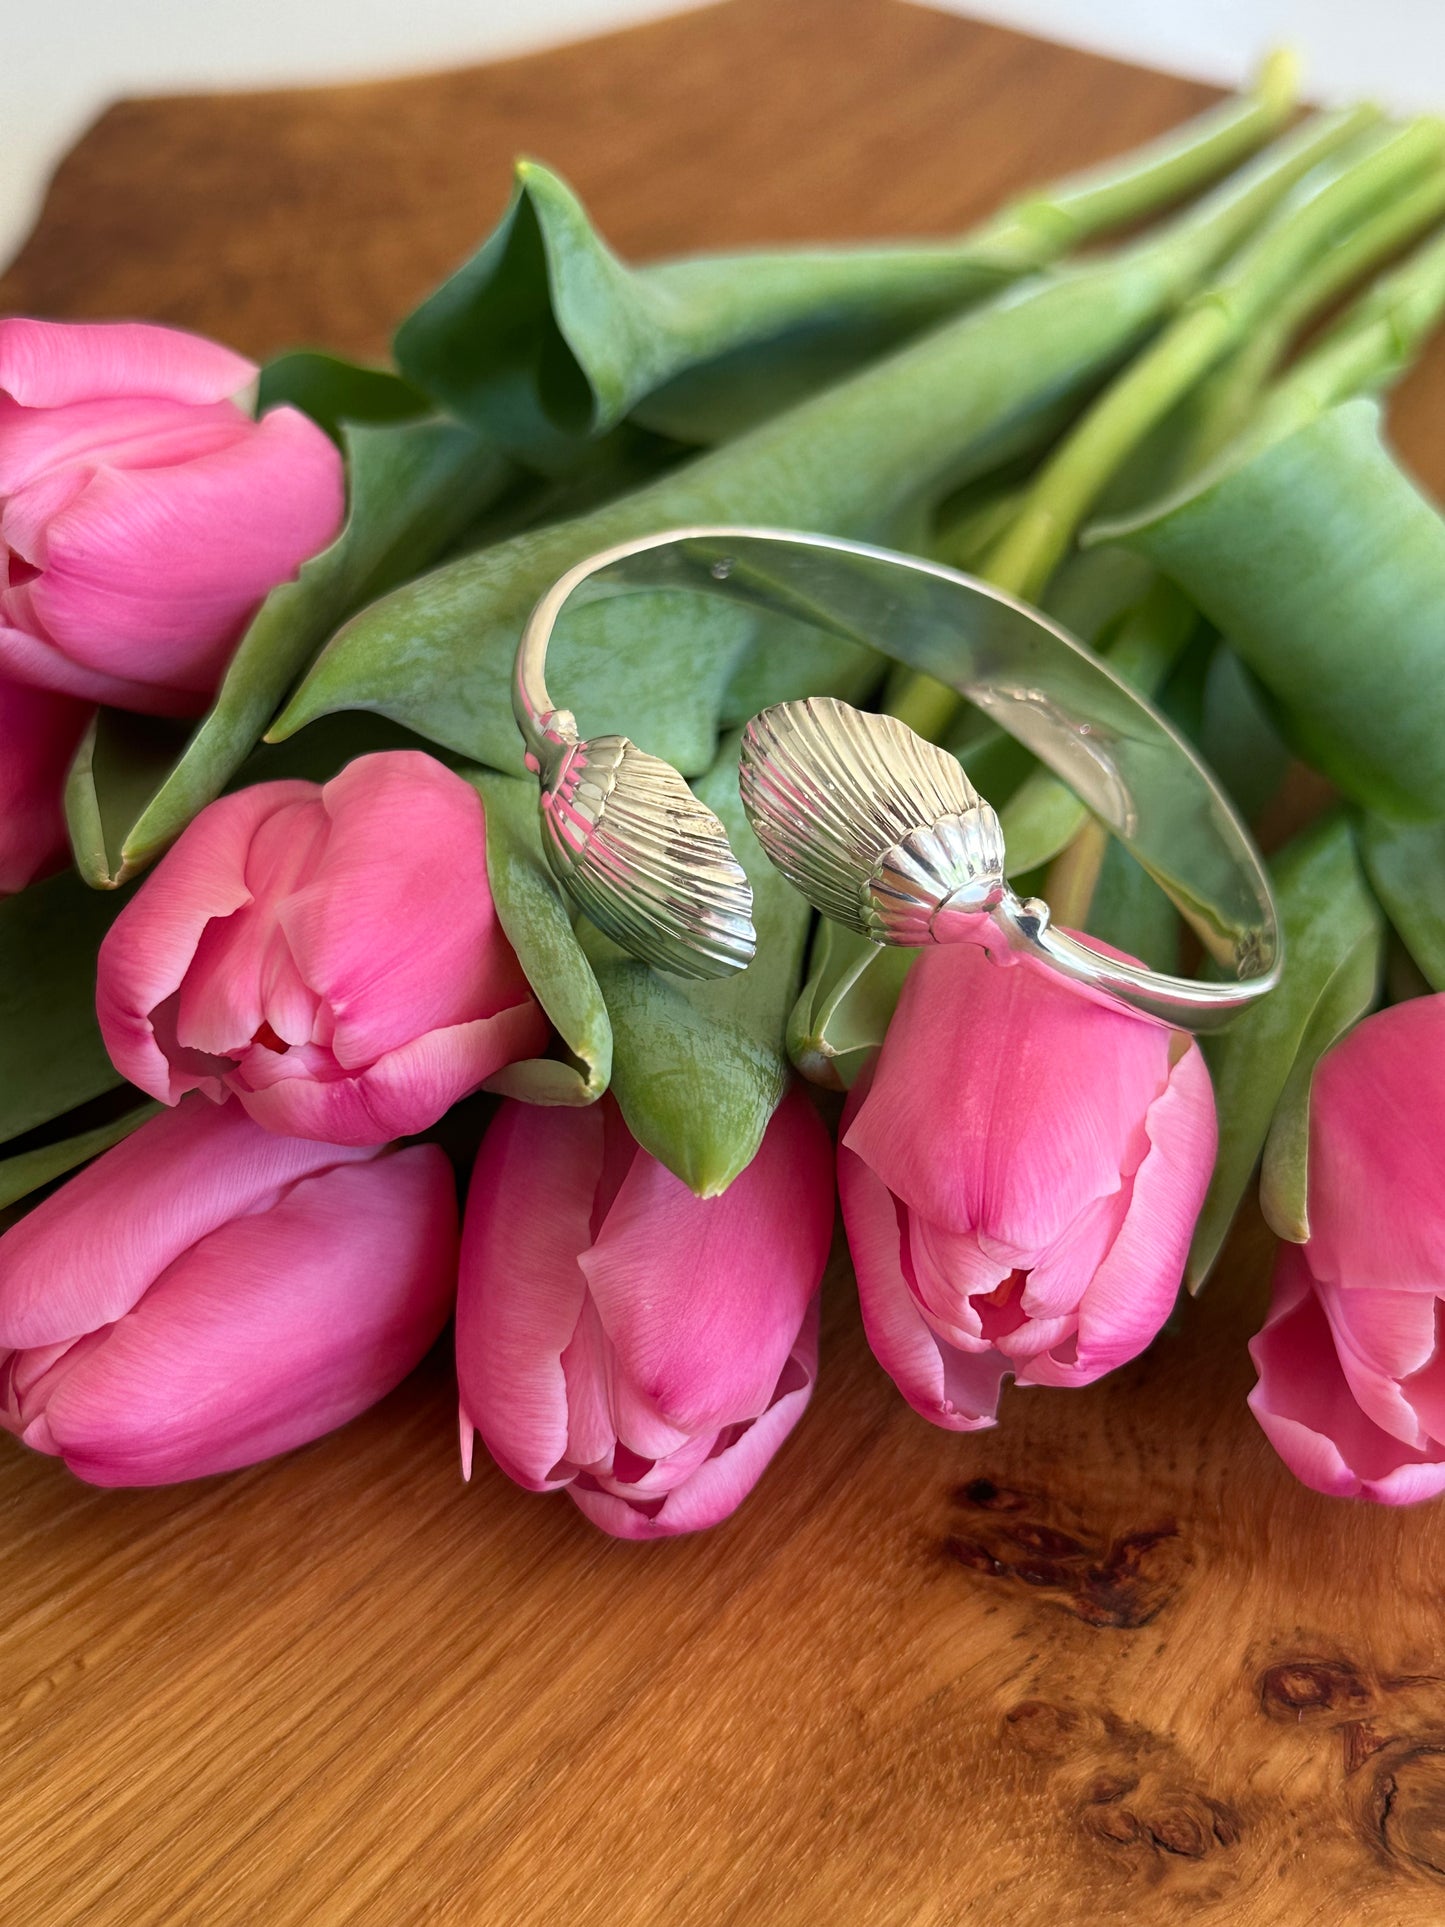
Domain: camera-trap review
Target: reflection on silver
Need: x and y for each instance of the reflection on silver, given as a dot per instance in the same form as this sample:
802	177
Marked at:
1081	752
878	828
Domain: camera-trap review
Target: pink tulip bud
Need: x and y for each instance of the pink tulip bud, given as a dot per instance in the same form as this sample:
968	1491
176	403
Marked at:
206	1294
1351	1390
143	513
39	734
1020	1176
646	1349
329	954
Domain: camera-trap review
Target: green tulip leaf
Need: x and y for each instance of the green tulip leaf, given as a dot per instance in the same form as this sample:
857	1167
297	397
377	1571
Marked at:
1334	947
1405	863
437	654
1237	735
545	337
1325	567
699	1067
413	487
122	761
535	918
51	1055
334	391
27	1171
846	1005
1284	1170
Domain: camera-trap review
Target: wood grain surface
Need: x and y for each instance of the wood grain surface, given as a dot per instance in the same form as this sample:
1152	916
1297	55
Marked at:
1107	1663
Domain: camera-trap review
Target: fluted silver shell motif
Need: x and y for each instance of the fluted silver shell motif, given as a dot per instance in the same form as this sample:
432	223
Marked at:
878	828
648	862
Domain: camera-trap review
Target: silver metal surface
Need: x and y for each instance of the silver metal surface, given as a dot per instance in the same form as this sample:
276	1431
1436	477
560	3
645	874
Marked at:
878	828
635	849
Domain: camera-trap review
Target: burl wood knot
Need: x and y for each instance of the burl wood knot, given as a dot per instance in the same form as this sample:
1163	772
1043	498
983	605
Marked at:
1126	1785
1390	1730
1012	1533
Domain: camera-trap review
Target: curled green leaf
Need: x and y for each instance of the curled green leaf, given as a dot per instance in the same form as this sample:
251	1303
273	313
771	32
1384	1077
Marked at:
334	391
1334	948
843	1010
546	337
1349	991
539	928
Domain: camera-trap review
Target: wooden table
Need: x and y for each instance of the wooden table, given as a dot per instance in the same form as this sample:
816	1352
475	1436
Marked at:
1107	1663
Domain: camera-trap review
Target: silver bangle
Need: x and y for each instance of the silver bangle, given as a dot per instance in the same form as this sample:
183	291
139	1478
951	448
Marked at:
878	828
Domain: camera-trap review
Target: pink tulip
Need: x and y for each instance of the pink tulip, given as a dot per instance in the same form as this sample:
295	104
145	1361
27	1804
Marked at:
646	1349
1020	1174
143	513
39	734
329	954
206	1295
1351	1363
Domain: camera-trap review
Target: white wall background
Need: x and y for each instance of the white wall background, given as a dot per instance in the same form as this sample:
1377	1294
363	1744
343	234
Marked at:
62	60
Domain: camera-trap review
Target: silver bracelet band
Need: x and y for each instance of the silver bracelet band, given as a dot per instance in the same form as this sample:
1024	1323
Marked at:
878	828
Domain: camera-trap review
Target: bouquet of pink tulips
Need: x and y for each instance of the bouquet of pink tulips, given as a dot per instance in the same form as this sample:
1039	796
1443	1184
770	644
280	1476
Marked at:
285	975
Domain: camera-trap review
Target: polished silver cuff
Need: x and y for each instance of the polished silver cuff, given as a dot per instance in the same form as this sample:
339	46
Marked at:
879	829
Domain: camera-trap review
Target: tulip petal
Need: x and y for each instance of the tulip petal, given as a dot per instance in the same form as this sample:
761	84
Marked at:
396	930
1003	1101
591	1429
702	1298
1133	1290
1382	1337
274	1328
403	1093
26	511
955	1389
521	1290
154	572
951	1271
1305	1406
724	1480
178	1178
152	943
1378	1113
49	364
31	659
39	734
242	975
117	432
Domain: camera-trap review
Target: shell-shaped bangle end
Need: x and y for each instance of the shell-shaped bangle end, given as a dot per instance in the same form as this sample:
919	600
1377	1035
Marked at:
649	863
877	827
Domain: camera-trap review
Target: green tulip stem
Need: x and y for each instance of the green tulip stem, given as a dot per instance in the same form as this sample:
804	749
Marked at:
1371	345
1036	230
1234	389
1213	319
